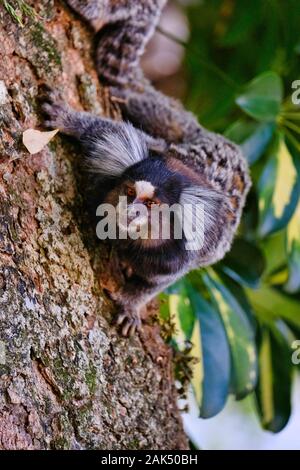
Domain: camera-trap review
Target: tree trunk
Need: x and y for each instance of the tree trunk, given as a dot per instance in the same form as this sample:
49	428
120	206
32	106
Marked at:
68	380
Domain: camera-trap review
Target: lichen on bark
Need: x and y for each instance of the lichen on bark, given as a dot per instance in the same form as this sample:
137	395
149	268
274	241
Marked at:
68	380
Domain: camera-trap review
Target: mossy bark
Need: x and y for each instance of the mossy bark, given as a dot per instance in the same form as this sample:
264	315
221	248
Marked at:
68	380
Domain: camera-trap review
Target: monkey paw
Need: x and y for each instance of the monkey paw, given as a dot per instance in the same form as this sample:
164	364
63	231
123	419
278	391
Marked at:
53	108
129	322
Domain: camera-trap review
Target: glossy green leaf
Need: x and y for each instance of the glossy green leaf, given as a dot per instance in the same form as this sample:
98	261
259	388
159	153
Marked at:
241	130
244	263
209	331
271	305
186	314
274	249
275	374
240	335
175	288
237	291
252	137
293	251
181	311
254	147
262	97
278	189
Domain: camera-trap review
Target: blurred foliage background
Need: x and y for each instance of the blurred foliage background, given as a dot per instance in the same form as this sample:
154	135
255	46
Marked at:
242	316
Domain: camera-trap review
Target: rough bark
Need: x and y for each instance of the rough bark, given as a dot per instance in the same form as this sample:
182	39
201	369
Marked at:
68	380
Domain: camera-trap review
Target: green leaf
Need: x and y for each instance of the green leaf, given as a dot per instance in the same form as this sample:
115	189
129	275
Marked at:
245	17
241	130
181	311
164	310
174	288
278	189
274	249
275	375
271	305
244	263
252	137
293	252
239	294
254	147
240	335
212	385
262	97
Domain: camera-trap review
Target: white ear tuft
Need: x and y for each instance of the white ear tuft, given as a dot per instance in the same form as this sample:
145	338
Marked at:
200	208
116	151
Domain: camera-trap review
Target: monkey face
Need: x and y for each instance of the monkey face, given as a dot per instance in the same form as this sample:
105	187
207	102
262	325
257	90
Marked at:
156	205
143	197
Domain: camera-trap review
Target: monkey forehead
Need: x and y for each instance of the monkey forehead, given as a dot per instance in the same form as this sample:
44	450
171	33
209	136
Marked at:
144	189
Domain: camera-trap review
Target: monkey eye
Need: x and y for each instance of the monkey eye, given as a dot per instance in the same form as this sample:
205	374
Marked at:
130	192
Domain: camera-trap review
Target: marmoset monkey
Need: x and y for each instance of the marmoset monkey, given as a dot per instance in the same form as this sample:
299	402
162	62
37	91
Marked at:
159	156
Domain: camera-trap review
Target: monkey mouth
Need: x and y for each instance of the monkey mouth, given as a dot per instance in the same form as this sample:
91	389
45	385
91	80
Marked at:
134	225
132	219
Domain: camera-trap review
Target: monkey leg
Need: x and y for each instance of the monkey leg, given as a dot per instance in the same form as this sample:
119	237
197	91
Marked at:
134	295
126	27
